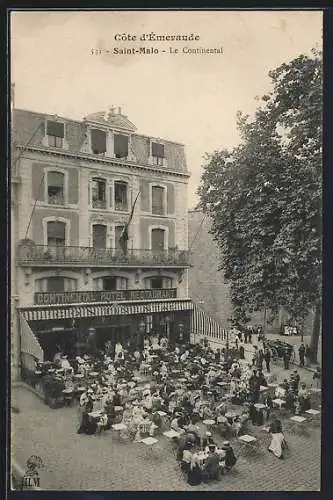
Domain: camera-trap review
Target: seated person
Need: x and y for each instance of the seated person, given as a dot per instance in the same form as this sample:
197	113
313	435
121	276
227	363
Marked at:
230	458
194	475
239	423
223	425
276	426
187	456
102	422
290	400
317	378
261	379
304	399
211	468
175	423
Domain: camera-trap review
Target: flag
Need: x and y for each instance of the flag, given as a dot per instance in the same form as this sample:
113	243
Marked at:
124	235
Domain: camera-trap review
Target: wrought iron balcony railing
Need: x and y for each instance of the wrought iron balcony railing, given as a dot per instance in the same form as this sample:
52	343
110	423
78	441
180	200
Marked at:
45	255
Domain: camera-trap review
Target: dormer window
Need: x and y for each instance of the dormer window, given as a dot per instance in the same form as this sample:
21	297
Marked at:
55	132
157	153
120	146
98	141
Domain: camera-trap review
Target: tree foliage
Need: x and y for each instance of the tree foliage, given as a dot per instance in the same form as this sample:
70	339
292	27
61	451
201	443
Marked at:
264	197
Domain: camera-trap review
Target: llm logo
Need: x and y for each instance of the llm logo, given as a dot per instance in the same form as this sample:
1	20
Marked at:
31	479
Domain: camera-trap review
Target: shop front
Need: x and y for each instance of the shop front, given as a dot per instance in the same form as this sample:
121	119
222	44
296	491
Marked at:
64	326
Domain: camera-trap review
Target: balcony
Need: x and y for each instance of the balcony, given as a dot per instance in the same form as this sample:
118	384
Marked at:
31	255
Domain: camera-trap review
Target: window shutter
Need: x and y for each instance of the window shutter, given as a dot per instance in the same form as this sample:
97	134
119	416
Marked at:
170	199
110	196
144	196
56	129
38	182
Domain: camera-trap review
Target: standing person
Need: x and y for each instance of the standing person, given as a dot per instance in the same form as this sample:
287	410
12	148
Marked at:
260	359
267	357
250	336
245	336
286	358
308	354
301	352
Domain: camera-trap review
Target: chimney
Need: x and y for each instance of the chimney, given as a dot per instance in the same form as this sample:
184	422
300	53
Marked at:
119	110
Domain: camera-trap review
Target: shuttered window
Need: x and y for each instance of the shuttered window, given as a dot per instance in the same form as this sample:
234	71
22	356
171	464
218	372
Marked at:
120	146
99	236
157	202
98	141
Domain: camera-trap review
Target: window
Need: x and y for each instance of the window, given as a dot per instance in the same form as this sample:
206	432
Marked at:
120	196
55	132
99	235
157	240
98	198
120	146
98	141
157	200
55	188
110	283
158	282
56	233
157	152
56	284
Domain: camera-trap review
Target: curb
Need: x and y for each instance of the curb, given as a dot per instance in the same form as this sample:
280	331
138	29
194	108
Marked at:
24	385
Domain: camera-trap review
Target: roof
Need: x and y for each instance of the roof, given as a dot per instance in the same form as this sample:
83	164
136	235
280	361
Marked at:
29	129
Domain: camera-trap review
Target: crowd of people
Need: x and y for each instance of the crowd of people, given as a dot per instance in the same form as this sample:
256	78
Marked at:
189	389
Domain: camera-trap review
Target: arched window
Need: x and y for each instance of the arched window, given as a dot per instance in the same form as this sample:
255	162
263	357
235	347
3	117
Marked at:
56	284
55	188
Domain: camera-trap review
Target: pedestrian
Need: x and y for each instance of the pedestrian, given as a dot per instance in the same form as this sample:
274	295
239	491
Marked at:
245	336
301	352
260	359
308	354
267	357
250	336
241	352
286	358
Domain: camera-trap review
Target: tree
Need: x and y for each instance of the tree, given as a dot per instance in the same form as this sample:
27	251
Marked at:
264	198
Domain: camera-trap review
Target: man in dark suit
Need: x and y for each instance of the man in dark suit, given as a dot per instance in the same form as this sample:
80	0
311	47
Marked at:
212	464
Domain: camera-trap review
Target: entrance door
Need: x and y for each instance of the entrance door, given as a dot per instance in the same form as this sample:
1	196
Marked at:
99	236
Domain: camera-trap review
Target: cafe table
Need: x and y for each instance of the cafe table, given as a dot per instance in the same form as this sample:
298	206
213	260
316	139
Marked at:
171	434
149	442
279	402
209	423
260	406
249	443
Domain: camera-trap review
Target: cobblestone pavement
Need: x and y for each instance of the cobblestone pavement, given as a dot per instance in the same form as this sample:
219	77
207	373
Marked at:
80	462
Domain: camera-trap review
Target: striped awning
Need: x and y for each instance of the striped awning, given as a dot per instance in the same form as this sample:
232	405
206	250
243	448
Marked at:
73	311
204	324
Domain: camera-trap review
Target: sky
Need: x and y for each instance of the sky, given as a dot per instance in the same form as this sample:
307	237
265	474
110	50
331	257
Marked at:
191	99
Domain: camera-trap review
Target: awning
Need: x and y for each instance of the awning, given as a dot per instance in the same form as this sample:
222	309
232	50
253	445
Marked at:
203	323
74	311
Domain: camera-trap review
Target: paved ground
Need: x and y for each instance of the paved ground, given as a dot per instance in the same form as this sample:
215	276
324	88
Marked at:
80	462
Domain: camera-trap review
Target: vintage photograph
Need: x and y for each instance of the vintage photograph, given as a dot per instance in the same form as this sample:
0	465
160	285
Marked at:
166	250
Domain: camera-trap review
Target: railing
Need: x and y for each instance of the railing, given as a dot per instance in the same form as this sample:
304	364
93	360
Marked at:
30	254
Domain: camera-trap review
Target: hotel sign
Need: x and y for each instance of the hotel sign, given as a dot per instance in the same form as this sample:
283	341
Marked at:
53	298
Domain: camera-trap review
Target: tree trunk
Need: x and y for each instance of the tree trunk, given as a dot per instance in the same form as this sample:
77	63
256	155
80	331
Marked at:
315	334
